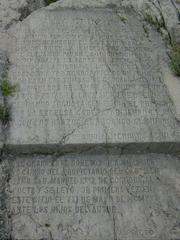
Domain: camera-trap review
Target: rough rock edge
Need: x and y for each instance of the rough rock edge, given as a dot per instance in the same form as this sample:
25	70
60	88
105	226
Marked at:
30	7
18	12
84	4
5	217
169	25
4	166
4	68
155	8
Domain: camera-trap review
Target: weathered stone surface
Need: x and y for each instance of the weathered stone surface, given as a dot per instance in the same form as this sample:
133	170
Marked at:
5	226
12	11
165	12
173	85
95	197
89	77
3	73
93	78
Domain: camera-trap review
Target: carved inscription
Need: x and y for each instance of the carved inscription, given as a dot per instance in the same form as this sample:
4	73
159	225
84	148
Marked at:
71	194
86	78
80	185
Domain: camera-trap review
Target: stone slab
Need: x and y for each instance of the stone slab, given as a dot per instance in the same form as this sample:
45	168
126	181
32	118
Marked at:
89	76
94	197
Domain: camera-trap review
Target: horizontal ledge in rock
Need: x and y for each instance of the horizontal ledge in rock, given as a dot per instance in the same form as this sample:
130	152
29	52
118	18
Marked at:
121	148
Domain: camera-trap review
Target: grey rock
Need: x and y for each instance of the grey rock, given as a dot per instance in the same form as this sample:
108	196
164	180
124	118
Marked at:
89	76
175	33
12	11
173	85
3	74
167	13
94	84
5	224
95	197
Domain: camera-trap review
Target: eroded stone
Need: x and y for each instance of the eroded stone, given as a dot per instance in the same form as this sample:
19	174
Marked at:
95	197
5	225
12	11
89	77
3	74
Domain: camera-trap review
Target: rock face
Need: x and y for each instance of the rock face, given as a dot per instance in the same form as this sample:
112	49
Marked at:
90	76
5	223
166	13
12	11
92	148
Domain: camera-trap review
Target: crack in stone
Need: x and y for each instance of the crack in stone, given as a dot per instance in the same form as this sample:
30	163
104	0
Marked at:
176	8
5	221
70	228
45	226
24	10
112	213
4	127
65	137
6	225
162	18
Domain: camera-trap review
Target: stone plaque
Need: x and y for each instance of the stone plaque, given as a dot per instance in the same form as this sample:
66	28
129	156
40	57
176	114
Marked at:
95	197
89	77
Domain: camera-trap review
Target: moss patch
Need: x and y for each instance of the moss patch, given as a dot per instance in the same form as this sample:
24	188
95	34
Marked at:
47	2
7	88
